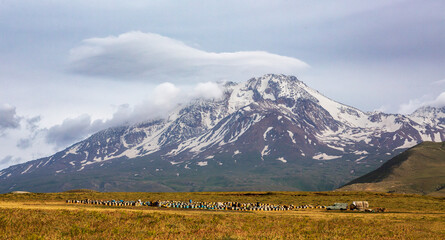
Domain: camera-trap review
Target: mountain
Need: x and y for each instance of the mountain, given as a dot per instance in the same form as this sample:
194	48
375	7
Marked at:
420	170
268	133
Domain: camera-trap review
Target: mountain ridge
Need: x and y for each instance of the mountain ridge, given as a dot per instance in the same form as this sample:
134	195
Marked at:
420	169
265	121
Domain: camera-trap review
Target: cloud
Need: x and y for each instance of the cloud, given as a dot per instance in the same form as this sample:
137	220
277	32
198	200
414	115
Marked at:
163	99
383	108
8	117
440	82
24	143
166	95
160	102
33	123
78	128
152	57
414	104
9	160
69	131
439	101
208	90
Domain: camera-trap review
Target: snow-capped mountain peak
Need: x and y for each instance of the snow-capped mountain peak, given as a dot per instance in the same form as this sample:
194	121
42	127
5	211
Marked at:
269	120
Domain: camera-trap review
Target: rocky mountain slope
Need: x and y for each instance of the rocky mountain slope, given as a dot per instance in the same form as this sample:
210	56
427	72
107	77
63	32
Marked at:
268	133
420	170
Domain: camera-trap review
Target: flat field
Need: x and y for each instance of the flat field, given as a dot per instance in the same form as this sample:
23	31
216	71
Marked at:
47	216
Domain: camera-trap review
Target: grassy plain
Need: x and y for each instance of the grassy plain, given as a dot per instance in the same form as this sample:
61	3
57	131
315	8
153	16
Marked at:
46	216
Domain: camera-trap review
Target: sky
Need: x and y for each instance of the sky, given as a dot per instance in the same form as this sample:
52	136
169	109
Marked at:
71	68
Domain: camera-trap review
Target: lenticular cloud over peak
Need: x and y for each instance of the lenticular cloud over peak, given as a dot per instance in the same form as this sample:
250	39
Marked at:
152	57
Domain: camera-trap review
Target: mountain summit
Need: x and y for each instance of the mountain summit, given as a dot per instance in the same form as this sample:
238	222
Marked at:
269	133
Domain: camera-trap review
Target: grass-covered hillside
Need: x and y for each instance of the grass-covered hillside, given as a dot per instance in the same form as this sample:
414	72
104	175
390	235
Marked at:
420	170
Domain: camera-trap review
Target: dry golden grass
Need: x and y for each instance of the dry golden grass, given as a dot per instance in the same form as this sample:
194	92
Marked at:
46	216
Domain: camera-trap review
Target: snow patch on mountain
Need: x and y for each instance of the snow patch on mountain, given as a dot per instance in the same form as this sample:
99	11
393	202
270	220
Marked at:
291	136
27	169
324	156
202	164
361	152
73	150
265	151
336	148
407	144
265	132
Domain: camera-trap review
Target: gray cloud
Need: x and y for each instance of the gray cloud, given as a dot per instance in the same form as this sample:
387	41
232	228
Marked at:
75	129
69	131
152	57
8	117
24	143
33	123
9	160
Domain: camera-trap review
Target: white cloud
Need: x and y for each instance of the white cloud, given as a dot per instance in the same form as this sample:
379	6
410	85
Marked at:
414	104
152	57
163	99
166	95
383	108
439	101
208	90
440	82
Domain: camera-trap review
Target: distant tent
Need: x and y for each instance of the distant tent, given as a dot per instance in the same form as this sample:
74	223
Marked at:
360	205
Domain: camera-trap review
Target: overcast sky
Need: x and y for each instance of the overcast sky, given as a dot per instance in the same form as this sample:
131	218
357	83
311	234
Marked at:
71	68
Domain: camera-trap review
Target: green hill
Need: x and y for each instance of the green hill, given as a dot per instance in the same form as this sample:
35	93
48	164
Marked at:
420	170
